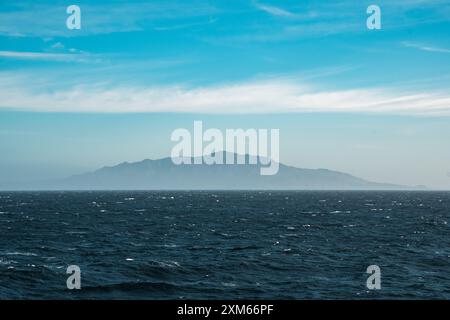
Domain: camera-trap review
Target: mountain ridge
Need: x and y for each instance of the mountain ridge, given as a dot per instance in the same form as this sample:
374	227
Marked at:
163	174
159	174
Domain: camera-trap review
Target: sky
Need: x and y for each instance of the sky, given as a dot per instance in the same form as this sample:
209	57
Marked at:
373	103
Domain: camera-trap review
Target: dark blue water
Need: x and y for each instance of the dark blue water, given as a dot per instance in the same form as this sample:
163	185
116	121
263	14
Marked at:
224	245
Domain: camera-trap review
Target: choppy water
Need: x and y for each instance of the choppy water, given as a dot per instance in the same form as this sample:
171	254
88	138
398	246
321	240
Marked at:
224	245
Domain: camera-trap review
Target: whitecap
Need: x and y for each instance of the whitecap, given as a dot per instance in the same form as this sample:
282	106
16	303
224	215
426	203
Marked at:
28	254
169	264
6	262
229	284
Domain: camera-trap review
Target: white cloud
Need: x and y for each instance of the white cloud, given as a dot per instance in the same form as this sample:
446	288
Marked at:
270	96
425	47
57	45
29	18
66	57
274	10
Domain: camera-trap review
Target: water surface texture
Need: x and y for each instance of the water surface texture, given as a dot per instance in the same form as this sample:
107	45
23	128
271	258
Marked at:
224	245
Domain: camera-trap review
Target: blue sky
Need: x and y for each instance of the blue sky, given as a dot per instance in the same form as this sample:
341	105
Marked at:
374	103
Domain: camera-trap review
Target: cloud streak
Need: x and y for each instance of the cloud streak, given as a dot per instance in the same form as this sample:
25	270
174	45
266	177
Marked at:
42	56
28	18
274	10
251	97
425	47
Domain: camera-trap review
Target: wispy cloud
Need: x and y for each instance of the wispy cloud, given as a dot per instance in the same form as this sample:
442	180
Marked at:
185	26
29	18
43	56
425	47
276	11
330	18
270	96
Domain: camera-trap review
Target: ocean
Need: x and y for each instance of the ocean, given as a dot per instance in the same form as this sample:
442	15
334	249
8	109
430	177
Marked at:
225	245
